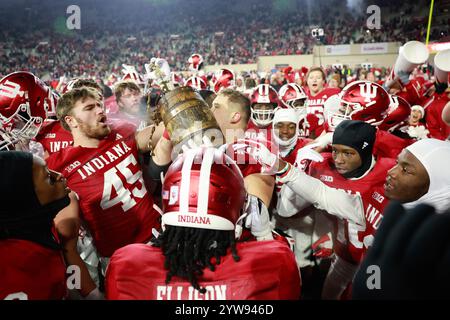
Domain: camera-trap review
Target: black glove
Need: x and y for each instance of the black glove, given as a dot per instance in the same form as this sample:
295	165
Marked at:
412	251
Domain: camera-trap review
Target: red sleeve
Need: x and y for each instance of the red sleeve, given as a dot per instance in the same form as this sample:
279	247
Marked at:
412	94
435	125
332	91
388	145
52	161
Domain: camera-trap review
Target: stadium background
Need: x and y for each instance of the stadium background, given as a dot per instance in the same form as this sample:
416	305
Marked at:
261	36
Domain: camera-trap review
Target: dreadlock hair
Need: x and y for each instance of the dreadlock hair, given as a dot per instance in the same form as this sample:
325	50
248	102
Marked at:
188	251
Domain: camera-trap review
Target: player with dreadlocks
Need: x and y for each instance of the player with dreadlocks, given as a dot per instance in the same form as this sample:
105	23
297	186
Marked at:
195	256
188	251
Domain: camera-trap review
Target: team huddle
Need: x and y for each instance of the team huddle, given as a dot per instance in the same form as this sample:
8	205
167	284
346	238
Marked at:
299	181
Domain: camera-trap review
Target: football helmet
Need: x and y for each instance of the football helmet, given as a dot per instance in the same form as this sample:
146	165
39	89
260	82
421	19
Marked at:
363	100
69	85
196	83
195	62
398	112
225	78
24	103
331	107
263	94
292	96
203	188
130	73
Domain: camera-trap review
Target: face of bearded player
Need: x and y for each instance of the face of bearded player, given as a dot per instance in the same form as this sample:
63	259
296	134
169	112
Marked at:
90	118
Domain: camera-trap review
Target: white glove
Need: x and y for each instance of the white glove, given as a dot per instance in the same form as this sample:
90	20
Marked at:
307	153
62	79
419	132
258	220
324	141
164	68
261	154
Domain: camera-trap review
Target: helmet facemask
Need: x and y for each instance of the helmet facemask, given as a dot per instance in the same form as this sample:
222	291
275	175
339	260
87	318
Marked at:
263	117
345	112
20	126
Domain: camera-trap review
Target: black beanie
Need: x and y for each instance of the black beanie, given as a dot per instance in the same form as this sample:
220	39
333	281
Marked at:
360	136
21	214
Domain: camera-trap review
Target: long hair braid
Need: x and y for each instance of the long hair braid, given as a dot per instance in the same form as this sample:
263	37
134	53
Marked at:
188	251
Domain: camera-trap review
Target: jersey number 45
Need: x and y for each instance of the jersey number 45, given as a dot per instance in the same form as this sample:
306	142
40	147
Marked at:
124	195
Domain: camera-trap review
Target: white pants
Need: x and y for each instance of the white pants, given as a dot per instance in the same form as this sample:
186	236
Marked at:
339	276
301	230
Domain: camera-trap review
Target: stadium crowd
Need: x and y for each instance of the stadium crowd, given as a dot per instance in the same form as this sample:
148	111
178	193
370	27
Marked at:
225	33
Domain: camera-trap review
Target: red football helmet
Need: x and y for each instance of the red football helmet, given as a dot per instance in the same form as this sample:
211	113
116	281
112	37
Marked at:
24	103
398	112
225	79
203	188
195	62
292	96
69	85
264	94
363	100
196	83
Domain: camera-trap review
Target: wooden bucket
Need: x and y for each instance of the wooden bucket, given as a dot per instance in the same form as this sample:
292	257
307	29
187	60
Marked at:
187	116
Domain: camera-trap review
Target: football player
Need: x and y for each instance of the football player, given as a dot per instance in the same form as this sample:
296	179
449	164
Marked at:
317	95
31	260
102	168
197	257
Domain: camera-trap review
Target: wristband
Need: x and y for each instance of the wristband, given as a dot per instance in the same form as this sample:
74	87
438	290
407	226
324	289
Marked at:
283	171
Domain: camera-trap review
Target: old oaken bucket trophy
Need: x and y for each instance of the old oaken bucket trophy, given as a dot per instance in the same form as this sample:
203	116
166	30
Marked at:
185	114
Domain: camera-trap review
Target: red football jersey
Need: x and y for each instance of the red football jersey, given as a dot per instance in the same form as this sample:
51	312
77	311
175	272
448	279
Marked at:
259	134
113	198
352	240
267	271
314	110
438	128
388	145
53	136
30	271
291	156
